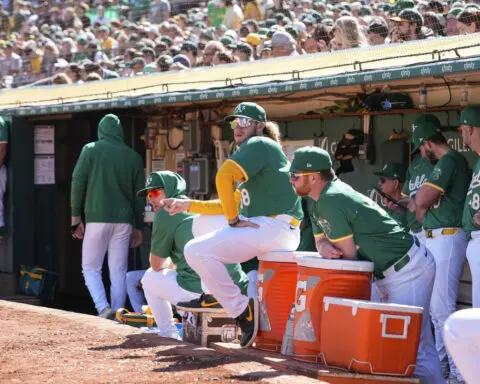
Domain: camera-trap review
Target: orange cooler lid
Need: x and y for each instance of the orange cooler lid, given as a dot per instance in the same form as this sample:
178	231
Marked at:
285	256
364	304
314	260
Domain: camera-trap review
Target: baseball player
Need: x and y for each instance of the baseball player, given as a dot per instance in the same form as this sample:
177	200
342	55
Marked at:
105	178
391	179
170	279
268	219
469	124
438	205
349	225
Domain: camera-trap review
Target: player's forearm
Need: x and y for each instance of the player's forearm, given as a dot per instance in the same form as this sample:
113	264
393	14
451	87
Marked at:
158	263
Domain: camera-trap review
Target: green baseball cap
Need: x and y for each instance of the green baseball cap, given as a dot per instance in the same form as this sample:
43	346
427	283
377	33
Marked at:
154	181
423	128
251	110
393	170
309	159
469	116
403	4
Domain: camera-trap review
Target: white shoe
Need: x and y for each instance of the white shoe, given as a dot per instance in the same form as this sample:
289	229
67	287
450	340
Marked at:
172	334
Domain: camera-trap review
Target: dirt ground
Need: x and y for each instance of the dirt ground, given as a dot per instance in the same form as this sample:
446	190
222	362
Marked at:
42	345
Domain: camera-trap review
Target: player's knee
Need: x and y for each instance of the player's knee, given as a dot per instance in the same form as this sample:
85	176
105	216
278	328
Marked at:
147	279
192	252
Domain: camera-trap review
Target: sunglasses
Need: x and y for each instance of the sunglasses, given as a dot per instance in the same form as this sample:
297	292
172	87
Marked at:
153	194
241	122
294	176
384	179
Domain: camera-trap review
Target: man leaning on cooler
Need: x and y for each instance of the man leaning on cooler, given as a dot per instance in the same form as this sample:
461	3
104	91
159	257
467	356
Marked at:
349	225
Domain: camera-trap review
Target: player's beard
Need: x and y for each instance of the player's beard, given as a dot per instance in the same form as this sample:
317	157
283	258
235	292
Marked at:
302	190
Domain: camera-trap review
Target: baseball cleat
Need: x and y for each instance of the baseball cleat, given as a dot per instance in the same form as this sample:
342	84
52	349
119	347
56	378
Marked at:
248	323
205	303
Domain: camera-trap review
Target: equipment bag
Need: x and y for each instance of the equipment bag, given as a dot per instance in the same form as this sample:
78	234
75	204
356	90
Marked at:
135	319
36	281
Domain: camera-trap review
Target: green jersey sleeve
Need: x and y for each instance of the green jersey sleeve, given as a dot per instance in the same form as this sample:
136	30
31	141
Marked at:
442	174
163	234
250	156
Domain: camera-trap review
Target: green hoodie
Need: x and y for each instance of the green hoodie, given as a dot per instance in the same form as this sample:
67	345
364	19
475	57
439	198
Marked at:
107	175
171	233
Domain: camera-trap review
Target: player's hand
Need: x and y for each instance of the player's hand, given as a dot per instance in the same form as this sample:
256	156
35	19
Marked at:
244	224
174	206
476	219
79	231
136	238
329	251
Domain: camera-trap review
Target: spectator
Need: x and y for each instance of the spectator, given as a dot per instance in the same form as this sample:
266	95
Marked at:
101	18
348	33
11	64
216	12
93	76
283	44
233	15
164	62
74	72
451	21
223	57
4	21
160	11
318	40
50	57
377	31
81	12
105	177
182	60
252	10
408	26
434	22
190	50
138	66
468	21
210	51
243	52
61	78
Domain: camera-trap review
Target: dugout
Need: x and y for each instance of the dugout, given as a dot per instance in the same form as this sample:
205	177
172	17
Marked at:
175	121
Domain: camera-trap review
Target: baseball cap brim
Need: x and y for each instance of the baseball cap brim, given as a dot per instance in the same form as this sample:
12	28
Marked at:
396	18
233	117
143	192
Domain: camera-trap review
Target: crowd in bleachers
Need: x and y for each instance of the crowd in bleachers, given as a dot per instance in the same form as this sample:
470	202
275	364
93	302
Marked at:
73	41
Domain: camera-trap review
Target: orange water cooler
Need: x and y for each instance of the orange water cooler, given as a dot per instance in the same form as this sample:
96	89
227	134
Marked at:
277	277
368	337
317	278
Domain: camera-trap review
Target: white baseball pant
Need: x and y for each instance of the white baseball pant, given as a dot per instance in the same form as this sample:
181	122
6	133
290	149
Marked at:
161	291
135	295
161	288
413	285
473	256
449	252
3	188
462	338
100	238
207	255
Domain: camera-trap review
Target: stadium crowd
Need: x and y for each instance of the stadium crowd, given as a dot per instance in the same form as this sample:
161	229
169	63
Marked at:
73	41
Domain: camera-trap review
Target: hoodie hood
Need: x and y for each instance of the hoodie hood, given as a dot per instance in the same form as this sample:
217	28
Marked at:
172	183
110	128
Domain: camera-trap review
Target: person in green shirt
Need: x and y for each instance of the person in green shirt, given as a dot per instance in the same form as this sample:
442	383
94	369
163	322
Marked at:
438	205
104	181
417	173
390	182
349	225
170	279
216	12
469	124
268	218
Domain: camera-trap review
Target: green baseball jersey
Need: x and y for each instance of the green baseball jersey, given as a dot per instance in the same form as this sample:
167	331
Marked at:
169	237
266	191
341	212
451	176
417	173
472	202
400	218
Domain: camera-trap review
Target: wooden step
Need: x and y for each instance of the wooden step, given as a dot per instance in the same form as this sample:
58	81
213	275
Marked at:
317	371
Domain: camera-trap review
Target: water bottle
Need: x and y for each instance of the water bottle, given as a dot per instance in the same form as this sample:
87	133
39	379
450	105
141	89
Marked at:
422	102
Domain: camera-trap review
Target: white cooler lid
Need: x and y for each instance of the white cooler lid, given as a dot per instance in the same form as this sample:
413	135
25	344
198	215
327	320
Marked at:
284	256
314	260
371	305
